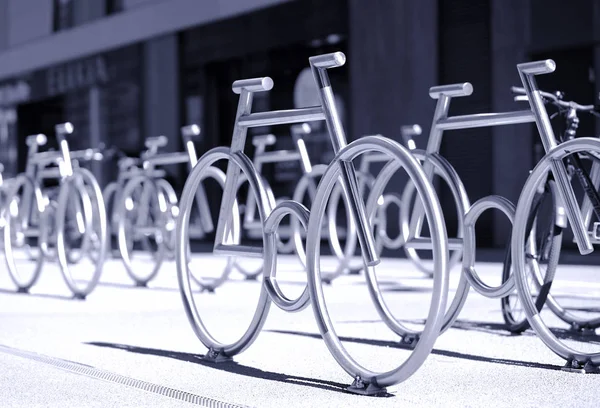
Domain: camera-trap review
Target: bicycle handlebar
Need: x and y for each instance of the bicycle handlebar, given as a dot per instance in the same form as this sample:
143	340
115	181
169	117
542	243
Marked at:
325	61
451	90
190	131
40	140
554	99
252	85
537	67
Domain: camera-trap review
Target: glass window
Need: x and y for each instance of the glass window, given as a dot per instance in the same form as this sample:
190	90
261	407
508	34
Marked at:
71	13
63	14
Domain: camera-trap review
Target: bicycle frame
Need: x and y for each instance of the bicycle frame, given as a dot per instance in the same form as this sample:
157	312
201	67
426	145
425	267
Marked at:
537	113
327	111
261	156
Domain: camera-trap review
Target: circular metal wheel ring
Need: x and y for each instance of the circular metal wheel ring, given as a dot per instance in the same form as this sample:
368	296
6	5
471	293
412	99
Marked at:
123	239
462	290
275	293
211	284
21	181
186	202
449	176
518	240
86	177
478	208
440	251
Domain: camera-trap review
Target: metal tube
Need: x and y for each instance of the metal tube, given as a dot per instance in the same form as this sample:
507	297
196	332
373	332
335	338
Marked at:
238	140
348	178
485	120
164	159
62	130
281	117
451	90
278	156
298	133
565	190
587	207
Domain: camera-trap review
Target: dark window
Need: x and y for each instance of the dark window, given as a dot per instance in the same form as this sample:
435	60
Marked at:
71	13
114	6
63	14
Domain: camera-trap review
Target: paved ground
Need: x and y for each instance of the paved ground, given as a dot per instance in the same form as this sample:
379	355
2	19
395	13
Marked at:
128	347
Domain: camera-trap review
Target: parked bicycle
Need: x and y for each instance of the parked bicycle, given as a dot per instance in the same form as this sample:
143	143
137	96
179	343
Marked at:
545	239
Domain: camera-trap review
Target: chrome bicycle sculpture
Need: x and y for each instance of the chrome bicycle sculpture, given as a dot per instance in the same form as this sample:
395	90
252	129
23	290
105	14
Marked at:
128	168
341	171
366	181
550	179
73	222
290	237
147	207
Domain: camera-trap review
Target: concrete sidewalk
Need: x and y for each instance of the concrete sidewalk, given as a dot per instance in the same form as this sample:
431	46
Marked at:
59	352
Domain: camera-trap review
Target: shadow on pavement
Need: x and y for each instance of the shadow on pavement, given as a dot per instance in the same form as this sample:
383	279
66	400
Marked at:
584	309
231	367
133	286
499	329
446	353
40	295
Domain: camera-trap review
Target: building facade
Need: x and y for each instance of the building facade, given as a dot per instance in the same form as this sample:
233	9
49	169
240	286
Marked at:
124	70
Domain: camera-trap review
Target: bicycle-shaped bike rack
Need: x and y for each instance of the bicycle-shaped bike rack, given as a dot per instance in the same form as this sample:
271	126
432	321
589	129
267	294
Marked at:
549	176
77	213
147	206
554	166
342	171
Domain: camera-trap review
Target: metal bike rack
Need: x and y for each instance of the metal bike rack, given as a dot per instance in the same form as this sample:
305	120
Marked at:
37	218
154	220
340	171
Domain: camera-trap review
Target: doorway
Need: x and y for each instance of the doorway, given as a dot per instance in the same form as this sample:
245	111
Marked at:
38	117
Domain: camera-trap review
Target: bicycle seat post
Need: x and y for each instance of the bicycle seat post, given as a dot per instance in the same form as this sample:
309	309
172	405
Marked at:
407	133
62	131
188	134
319	65
245	88
298	132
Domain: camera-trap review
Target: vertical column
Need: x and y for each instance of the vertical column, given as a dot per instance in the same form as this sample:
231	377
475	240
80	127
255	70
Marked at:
161	89
393	60
512	145
4	24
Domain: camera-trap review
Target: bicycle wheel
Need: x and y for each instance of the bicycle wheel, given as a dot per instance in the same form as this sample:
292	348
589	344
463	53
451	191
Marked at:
254	228
24	265
81	217
450	178
403	159
344	223
111	197
83	232
442	167
167	190
578	351
543	251
141	217
252	329
210	284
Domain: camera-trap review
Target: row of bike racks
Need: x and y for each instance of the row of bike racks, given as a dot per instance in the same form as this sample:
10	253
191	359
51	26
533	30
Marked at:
144	212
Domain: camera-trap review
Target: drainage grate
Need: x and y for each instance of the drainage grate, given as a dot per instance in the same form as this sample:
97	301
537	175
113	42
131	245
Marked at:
119	379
